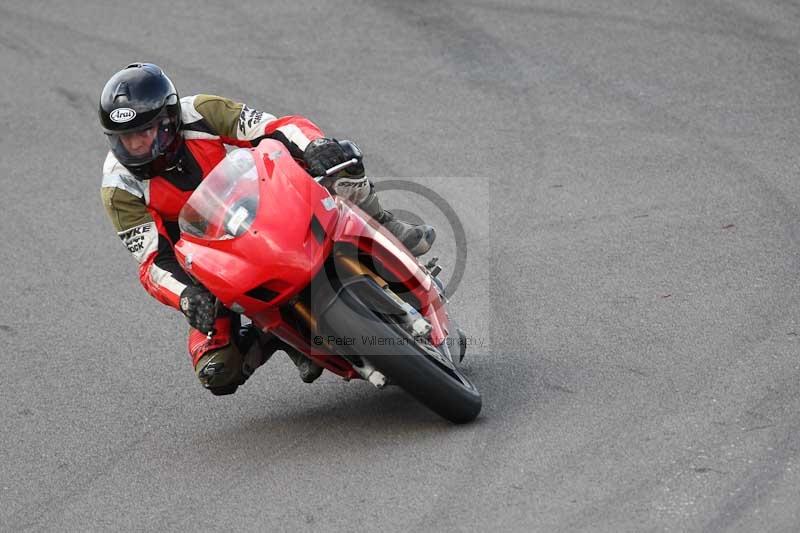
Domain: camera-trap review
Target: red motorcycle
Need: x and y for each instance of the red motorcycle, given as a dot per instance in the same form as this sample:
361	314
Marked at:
272	244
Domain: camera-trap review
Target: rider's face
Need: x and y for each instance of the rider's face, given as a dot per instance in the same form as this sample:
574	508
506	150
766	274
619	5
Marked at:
138	143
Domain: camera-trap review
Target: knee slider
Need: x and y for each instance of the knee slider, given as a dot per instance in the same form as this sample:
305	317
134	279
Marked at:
220	370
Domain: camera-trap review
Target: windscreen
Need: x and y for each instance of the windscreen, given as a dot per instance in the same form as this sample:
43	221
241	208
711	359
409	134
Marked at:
225	204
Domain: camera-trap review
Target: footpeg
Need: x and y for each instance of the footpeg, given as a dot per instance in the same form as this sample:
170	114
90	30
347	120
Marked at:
378	379
433	267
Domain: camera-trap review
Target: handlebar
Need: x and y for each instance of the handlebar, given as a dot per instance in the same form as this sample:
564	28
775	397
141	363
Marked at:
334	170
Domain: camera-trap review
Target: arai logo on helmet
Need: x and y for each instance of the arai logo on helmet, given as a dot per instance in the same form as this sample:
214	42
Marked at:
123	114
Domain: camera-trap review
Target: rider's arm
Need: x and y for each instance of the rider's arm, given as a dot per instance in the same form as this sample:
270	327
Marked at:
237	124
145	236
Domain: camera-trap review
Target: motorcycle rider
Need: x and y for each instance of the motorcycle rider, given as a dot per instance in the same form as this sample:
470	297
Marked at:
161	148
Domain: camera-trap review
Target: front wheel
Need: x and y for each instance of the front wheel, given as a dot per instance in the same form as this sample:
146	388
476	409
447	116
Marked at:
417	367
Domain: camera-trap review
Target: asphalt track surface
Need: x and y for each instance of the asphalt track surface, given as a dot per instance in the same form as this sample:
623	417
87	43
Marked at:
627	176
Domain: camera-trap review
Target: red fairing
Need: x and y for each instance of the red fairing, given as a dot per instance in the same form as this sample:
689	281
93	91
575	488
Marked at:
279	251
166	200
284	244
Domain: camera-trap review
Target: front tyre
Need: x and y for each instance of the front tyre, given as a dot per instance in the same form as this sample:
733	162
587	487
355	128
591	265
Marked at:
418	368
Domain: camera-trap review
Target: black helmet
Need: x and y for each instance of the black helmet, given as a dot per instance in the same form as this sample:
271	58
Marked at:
140	112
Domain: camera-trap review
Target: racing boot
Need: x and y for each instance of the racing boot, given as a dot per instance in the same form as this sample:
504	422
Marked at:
309	370
418	238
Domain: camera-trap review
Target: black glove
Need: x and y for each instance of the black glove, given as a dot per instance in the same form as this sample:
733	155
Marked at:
200	307
323	154
351	150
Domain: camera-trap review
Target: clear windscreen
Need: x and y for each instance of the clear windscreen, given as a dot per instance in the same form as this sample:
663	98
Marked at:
225	204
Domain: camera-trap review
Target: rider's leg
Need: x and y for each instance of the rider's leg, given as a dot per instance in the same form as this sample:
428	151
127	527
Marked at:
220	363
418	238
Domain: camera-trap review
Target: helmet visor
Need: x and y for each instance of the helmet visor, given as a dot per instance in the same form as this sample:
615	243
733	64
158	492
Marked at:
142	145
